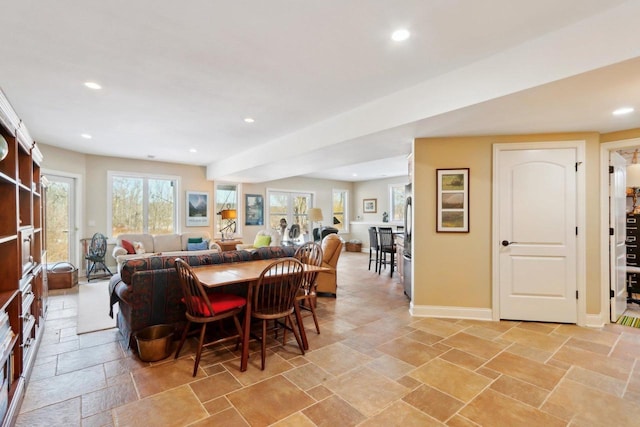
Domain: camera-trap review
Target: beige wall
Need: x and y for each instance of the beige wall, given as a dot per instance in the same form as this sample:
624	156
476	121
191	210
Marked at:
323	190
92	172
454	269
374	189
93	176
621	135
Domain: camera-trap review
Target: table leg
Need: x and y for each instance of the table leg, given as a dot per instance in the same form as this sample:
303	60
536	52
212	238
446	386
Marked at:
244	358
303	334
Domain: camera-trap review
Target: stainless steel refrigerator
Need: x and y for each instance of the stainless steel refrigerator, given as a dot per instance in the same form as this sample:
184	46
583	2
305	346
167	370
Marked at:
406	255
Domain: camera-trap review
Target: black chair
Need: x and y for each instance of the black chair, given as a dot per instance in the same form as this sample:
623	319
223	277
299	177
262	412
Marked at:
387	247
318	235
96	252
373	246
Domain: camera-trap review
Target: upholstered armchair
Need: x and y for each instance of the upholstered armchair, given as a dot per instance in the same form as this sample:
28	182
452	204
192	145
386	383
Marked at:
327	280
272	236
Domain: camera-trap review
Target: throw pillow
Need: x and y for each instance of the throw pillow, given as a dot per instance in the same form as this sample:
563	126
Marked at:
197	246
262	241
195	240
128	246
139	247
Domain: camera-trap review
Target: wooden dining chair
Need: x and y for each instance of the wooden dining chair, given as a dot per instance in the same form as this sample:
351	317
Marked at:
309	253
274	298
206	308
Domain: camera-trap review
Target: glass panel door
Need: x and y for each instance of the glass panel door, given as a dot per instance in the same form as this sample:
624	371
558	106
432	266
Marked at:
60	219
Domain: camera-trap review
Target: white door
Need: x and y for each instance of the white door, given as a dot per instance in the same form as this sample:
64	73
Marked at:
537	225
617	222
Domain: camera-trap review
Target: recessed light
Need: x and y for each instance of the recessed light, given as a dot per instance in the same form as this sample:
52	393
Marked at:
193	150
92	85
86	136
355	174
400	35
623	110
249	120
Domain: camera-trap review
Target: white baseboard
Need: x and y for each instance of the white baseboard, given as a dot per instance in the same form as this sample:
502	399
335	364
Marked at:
473	313
595	320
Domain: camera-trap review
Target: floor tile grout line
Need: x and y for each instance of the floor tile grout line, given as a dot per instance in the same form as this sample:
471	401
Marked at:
633	368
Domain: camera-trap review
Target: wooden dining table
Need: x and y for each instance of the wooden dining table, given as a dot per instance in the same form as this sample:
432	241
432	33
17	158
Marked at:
218	275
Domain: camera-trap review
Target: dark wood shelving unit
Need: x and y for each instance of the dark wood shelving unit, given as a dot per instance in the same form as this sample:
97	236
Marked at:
23	283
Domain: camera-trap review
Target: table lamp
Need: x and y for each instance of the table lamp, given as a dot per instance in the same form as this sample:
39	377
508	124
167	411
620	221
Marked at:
229	215
315	215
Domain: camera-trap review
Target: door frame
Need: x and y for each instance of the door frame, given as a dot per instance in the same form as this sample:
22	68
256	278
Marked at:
79	203
581	249
605	241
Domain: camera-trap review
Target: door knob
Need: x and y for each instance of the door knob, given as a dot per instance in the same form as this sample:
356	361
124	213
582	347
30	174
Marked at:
507	243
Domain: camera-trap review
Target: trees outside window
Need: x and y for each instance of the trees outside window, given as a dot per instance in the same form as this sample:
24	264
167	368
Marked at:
142	204
340	214
293	207
396	202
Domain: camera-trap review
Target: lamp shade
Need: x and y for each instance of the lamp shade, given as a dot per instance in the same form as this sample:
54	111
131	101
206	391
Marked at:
633	175
228	214
315	214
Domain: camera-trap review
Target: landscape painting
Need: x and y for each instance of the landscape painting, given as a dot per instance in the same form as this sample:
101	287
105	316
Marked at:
452	200
254	206
197	209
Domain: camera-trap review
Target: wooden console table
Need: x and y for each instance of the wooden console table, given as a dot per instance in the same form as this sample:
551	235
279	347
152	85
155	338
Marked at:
228	245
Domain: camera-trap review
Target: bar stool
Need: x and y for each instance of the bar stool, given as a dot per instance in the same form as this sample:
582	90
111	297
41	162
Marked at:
387	246
373	245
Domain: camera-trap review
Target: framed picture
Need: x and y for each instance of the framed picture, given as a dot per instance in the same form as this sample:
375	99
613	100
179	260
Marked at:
370	205
254	209
453	200
197	209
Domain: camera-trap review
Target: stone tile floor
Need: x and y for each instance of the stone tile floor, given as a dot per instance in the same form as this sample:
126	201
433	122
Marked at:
372	365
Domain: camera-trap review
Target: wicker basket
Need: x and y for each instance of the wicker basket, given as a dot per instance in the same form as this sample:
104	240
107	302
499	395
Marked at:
354	247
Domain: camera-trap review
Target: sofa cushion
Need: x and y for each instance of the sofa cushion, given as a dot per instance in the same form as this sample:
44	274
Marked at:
194	240
219	302
166	242
128	246
139	248
198	246
261	241
184	237
145	239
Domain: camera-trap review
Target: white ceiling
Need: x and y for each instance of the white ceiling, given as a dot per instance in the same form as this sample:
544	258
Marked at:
330	93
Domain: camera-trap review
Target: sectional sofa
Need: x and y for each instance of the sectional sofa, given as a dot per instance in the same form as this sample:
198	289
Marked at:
148	290
162	244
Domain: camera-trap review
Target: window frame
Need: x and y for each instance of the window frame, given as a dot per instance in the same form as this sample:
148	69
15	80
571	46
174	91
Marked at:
290	215
345	214
217	220
177	226
392	210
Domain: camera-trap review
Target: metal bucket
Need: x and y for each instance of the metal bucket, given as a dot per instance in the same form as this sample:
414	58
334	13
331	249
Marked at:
154	342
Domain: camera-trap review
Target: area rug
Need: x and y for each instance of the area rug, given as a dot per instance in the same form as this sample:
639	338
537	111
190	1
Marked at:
93	307
629	321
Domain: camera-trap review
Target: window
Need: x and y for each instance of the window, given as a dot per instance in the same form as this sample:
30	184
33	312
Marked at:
339	207
227	196
396	202
293	207
142	204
